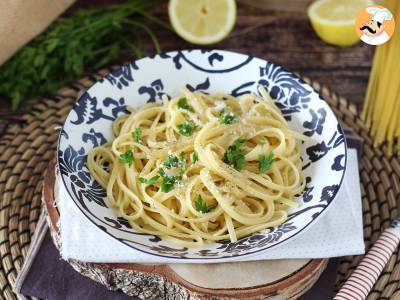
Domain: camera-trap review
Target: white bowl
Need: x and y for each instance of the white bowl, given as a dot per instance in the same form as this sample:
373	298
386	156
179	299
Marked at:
146	80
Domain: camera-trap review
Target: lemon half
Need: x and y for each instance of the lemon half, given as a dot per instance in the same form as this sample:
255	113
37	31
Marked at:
202	21
333	20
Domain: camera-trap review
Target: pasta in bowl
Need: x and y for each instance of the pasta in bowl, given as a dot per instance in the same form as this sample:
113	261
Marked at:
194	174
201	168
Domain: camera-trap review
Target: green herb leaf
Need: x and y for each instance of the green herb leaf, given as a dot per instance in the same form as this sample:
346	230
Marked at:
183	104
234	155
150	181
195	157
186	128
202	206
127	157
167	182
227	117
182	162
263	142
136	134
171	161
265	162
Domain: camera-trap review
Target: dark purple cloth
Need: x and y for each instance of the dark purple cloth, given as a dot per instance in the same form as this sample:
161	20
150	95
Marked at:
51	278
325	285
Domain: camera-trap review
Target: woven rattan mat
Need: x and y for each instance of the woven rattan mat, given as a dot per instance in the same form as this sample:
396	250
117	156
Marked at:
27	147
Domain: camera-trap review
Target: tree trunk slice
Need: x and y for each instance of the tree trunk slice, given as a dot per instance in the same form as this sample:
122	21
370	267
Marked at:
272	279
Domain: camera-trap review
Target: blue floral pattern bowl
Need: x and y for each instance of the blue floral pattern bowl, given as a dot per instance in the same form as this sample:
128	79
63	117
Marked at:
146	80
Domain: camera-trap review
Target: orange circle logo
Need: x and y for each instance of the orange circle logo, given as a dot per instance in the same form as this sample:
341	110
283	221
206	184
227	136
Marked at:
375	25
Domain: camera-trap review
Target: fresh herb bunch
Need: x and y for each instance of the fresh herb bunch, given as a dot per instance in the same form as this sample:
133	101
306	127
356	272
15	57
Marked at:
90	37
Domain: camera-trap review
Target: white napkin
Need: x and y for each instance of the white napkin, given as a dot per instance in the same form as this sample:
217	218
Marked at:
339	232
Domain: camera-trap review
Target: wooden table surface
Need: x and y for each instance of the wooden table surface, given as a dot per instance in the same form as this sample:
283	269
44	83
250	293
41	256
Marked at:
286	39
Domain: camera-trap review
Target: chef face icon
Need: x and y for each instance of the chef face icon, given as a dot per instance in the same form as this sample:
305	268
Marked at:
373	28
375	25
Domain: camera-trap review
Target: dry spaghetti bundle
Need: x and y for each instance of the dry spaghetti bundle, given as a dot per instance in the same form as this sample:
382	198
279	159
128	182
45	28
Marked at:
382	103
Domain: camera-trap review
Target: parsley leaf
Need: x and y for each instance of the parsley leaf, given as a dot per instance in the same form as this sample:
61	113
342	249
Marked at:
186	128
227	117
234	155
167	182
265	161
150	181
202	206
195	157
183	103
136	135
183	165
263	142
127	157
171	161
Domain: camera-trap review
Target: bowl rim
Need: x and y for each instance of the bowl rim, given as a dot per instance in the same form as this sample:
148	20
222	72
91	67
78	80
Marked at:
224	258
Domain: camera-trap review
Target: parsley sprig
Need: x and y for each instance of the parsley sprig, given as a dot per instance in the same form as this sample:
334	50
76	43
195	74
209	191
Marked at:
90	38
168	181
183	104
173	161
127	157
136	134
150	181
195	157
226	117
234	155
265	162
186	128
202	206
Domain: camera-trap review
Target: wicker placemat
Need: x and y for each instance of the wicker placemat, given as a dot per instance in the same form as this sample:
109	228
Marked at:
27	147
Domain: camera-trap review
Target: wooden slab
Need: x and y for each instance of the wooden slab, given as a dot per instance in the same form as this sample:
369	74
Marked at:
272	279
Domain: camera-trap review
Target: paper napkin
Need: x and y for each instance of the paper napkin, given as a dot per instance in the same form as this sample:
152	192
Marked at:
339	232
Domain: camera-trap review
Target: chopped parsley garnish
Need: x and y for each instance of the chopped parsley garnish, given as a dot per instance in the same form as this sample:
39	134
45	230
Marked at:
263	141
183	103
183	165
167	181
127	157
234	155
150	181
202	206
195	157
186	128
171	161
265	161
136	135
227	117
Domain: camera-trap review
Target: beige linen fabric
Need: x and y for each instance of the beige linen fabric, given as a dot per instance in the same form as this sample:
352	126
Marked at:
22	20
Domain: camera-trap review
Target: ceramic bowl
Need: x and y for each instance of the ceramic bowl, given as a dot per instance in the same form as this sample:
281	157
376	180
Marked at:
146	80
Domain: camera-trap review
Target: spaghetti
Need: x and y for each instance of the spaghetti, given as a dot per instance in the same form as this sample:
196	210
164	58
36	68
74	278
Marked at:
381	110
201	168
